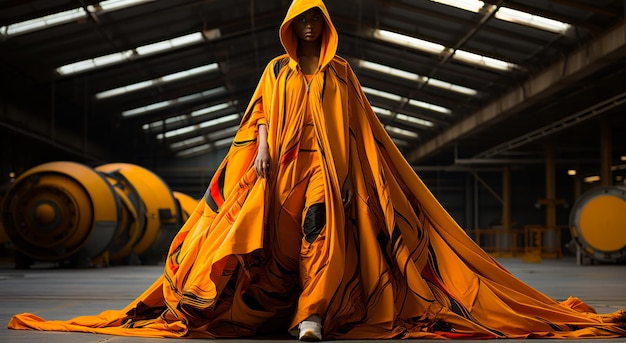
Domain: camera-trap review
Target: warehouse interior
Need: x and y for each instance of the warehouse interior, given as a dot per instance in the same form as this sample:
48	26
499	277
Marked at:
510	111
115	114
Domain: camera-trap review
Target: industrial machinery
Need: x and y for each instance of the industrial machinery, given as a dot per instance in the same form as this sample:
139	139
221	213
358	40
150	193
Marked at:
187	204
69	213
598	225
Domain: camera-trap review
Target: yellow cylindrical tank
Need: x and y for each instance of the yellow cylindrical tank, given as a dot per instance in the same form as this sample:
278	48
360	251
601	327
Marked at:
58	209
598	223
69	212
155	207
187	204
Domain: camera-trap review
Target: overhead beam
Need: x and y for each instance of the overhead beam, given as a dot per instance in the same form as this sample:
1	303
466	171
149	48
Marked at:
559	125
572	68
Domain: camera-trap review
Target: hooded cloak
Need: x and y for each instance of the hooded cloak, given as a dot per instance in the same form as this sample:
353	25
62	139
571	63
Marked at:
391	264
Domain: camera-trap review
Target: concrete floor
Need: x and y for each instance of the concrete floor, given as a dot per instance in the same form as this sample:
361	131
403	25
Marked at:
67	293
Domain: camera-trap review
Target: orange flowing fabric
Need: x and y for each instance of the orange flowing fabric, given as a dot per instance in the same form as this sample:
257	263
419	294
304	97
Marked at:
392	264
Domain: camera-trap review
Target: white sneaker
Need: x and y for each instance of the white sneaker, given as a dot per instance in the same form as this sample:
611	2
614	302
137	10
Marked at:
311	329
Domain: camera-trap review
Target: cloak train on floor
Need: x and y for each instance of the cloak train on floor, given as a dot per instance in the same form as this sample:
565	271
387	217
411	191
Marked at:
392	264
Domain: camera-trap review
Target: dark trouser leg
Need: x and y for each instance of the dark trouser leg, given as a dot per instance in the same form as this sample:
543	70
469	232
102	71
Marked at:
314	222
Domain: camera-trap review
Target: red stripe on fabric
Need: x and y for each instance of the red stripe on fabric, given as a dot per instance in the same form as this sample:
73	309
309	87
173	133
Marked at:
290	155
216	194
174	268
428	273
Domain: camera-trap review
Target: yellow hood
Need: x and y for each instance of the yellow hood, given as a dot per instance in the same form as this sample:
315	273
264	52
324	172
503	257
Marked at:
290	41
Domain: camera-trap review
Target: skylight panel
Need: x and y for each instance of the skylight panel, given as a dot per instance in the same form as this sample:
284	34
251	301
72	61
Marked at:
382	94
125	89
428	106
524	18
399	142
439	49
212	109
141	51
43	22
481	60
468	5
152	126
191	128
66	16
404	117
191	97
214	136
206	147
511	15
414	120
113	5
94	62
154	48
167	103
177	132
174	120
148	108
451	87
220	120
158	125
409	41
164	79
223	142
91	63
382	111
187	143
383	69
219	139
401	132
412	102
188	73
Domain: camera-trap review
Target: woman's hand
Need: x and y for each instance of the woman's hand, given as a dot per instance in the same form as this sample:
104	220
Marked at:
262	161
347	191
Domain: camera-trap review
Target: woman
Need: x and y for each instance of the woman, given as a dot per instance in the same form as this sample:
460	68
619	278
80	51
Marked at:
314	223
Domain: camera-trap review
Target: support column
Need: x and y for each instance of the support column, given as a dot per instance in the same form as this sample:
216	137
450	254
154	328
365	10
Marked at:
550	200
506	198
551	240
507	236
606	177
469	203
547	240
577	187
